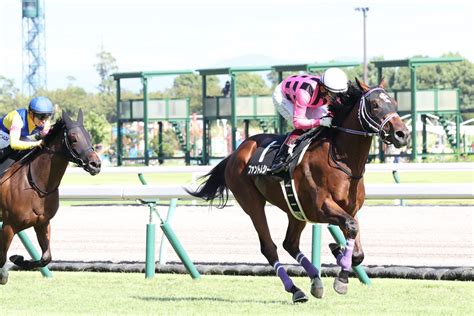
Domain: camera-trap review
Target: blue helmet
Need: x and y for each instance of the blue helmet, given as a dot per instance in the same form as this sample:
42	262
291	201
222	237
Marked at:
41	105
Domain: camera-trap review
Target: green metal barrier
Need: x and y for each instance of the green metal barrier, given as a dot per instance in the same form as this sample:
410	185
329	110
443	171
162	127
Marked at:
170	235
396	177
316	249
32	251
162	255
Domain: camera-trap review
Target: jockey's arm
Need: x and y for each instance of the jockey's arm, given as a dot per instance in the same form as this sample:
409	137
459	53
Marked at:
300	121
15	133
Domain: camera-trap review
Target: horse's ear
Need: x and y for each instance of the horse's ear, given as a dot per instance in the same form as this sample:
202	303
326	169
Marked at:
362	85
80	117
383	83
66	118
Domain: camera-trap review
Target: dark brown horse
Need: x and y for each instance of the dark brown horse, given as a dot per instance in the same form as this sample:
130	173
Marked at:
29	188
329	182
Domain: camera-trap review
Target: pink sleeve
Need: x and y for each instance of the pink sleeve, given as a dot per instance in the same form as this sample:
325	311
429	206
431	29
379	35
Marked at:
300	121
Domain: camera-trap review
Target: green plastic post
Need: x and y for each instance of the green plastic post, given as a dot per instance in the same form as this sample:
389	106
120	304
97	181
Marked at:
339	238
169	216
178	248
142	179
150	251
396	177
316	248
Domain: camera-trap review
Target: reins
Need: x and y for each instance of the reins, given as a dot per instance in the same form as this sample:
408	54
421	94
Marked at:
30	178
33	184
341	167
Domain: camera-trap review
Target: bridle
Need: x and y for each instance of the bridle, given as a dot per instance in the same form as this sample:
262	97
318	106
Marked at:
70	154
370	128
368	123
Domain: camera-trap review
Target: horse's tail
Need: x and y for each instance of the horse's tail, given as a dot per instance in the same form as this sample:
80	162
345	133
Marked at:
214	187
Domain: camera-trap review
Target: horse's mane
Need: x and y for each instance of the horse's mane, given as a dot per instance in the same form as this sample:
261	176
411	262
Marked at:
55	129
344	103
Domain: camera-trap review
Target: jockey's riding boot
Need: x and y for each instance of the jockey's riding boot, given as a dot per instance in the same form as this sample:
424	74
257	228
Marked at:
279	164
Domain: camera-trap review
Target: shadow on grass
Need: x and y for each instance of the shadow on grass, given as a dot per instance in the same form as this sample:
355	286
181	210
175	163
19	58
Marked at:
208	299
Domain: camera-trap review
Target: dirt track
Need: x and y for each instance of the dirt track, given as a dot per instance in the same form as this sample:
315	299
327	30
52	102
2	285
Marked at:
408	236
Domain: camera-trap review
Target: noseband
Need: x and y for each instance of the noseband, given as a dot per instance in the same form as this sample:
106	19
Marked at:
368	123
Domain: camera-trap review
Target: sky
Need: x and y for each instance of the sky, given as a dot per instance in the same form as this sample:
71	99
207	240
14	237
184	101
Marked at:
145	35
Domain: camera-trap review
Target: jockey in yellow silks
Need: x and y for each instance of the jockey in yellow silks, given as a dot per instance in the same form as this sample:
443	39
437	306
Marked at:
23	129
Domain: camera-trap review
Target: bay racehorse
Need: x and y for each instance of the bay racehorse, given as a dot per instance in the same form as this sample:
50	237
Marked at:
29	188
328	181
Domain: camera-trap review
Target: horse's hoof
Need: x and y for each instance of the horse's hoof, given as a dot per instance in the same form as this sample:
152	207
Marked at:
299	297
317	288
3	276
340	286
17	260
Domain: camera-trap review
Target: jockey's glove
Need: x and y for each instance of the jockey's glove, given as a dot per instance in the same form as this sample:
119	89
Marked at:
39	143
325	121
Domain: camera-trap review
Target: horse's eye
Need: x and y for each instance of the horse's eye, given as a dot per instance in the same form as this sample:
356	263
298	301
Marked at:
73	138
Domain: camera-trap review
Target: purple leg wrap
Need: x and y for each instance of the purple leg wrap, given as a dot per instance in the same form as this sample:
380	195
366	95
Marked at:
280	271
345	260
307	265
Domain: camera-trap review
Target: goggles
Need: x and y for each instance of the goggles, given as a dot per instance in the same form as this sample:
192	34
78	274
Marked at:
42	116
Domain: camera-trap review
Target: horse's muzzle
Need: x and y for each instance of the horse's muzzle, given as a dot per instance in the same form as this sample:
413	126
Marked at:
93	164
400	137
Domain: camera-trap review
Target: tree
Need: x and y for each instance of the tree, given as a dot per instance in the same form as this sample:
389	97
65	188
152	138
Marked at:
104	103
251	84
98	127
70	99
105	67
10	97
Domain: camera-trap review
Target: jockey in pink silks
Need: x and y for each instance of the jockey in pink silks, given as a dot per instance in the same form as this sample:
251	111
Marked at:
303	101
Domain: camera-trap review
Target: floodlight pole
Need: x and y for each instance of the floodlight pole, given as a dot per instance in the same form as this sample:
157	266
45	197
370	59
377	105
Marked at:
364	12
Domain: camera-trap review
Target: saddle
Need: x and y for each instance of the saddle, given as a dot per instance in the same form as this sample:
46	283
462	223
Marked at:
261	161
8	157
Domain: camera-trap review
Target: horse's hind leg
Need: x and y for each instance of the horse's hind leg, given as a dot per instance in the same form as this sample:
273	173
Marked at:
6	237
292	246
253	203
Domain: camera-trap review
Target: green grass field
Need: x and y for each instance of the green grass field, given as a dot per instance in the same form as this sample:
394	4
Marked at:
67	293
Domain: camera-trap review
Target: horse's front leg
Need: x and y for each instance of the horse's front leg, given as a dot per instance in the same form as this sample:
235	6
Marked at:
43	233
358	254
349	225
6	237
